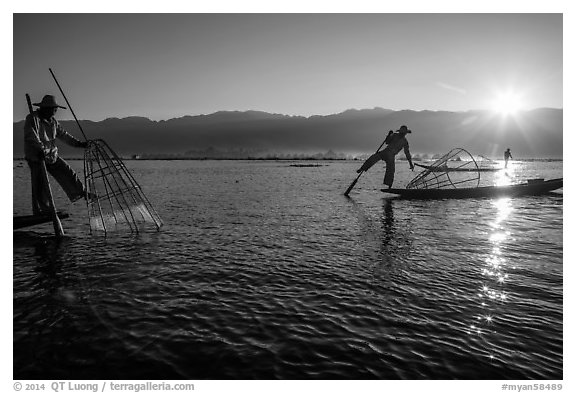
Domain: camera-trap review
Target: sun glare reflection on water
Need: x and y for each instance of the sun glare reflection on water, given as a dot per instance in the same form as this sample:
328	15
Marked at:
492	294
504	177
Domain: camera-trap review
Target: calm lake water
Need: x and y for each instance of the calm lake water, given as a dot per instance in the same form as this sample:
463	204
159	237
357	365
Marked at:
264	270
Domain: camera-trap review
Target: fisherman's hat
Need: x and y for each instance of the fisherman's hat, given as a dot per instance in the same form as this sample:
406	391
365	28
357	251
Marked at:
405	130
48	101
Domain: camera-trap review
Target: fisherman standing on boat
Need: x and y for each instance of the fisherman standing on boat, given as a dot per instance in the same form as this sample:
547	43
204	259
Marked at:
40	132
396	142
507	156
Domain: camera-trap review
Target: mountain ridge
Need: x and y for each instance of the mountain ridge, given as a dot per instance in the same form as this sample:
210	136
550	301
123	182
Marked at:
533	133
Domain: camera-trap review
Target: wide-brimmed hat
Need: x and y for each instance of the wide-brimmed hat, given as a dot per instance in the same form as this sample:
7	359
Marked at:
49	101
405	130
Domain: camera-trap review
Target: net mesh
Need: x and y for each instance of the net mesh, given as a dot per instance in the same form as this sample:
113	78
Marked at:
486	163
115	200
455	169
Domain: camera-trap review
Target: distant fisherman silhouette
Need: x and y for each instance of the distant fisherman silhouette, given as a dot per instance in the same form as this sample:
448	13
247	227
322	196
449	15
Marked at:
40	132
507	156
396	142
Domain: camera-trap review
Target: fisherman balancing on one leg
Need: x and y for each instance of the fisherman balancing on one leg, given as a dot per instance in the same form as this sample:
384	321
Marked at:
40	132
507	156
396	142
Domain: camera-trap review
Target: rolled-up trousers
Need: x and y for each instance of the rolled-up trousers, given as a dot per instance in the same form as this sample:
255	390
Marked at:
64	175
389	159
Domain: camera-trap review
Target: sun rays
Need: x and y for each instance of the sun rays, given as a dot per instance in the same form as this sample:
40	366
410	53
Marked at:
507	103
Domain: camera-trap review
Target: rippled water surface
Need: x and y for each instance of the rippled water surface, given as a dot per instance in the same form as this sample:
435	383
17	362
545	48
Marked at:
264	270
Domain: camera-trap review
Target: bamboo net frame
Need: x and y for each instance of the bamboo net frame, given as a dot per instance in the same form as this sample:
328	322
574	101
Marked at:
115	200
455	169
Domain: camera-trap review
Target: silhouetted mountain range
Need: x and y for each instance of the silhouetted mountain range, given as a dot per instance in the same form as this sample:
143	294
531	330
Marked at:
535	133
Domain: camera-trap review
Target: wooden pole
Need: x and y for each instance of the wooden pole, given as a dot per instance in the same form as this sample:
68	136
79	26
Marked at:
58	229
360	174
69	106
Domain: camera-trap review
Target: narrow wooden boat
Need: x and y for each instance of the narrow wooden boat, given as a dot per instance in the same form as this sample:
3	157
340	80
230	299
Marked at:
531	187
432	168
28	221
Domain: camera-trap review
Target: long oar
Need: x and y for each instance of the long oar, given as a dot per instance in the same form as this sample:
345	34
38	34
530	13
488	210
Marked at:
58	229
360	174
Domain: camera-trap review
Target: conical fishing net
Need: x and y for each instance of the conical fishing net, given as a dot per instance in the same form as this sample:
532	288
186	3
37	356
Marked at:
115	200
485	163
455	169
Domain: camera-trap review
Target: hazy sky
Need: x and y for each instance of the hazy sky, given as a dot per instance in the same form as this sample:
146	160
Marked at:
169	65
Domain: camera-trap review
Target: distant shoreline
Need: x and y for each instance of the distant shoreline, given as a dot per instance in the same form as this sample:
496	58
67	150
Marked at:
272	159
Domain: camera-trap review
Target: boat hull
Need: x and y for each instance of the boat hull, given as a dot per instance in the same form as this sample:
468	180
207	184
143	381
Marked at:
537	187
28	221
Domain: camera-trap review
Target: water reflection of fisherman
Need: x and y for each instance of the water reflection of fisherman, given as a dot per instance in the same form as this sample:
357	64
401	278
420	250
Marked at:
388	220
507	156
48	283
396	142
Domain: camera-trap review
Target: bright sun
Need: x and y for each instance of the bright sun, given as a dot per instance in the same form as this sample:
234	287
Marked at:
507	103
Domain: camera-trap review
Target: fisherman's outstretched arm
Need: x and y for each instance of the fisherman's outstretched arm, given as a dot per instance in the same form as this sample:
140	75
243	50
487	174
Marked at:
67	138
408	156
